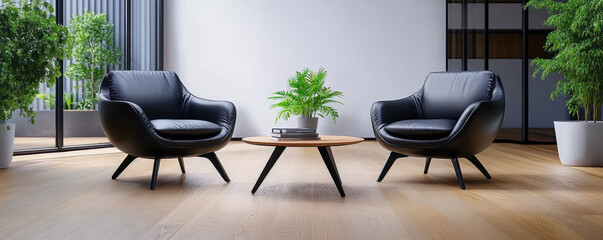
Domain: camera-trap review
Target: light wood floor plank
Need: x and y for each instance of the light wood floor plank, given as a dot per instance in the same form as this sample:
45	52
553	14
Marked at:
530	196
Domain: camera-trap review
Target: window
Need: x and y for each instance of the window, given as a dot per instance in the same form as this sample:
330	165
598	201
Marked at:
137	32
491	35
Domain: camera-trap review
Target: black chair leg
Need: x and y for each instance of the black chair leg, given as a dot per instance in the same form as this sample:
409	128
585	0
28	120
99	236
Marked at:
181	162
479	166
459	174
123	166
155	172
427	162
216	162
388	164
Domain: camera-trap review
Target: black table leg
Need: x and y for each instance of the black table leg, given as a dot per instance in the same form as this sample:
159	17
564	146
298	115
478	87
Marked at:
275	155
327	156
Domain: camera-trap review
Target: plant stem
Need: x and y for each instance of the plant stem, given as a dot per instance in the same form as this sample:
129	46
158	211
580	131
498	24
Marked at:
595	106
595	111
586	112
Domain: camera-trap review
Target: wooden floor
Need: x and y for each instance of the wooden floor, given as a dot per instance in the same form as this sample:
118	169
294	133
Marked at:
71	196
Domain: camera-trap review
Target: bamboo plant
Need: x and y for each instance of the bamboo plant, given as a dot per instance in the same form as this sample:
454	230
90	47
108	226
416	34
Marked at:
307	96
577	43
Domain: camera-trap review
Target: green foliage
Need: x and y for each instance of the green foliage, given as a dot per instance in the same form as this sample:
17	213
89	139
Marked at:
578	44
49	100
307	96
69	101
93	50
30	44
88	102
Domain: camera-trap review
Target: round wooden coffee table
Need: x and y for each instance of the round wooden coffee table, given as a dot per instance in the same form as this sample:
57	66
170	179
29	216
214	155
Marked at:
324	145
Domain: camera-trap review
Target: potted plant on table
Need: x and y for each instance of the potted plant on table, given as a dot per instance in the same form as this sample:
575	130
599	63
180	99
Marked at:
308	98
30	44
578	46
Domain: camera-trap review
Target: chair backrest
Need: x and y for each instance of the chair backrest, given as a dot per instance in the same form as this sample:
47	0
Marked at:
158	93
447	94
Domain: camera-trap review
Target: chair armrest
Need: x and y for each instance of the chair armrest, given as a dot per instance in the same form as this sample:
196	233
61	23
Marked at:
223	113
126	126
386	112
122	116
479	124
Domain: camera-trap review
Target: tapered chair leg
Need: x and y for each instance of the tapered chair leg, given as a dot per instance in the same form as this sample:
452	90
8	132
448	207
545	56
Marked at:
459	174
181	162
427	162
155	172
123	166
388	164
479	166
216	162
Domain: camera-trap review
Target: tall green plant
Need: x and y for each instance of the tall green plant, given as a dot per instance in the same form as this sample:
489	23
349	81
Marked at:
30	44
577	43
307	96
93	50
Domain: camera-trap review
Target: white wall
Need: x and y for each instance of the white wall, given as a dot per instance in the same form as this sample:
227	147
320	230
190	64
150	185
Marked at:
243	50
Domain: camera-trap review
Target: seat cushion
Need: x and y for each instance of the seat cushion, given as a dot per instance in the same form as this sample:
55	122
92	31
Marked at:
421	128
185	128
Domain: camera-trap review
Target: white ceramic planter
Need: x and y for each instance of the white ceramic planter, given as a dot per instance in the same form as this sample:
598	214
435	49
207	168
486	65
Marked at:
306	122
580	143
7	141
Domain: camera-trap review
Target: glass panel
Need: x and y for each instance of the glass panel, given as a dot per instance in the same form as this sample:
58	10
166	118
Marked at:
505	60
454	36
41	134
475	24
475	41
542	111
145	37
81	117
509	71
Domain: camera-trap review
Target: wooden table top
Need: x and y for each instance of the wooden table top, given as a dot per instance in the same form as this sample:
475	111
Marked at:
324	141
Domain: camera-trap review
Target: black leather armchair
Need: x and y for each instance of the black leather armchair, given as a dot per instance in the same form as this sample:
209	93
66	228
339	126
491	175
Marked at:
454	114
150	114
